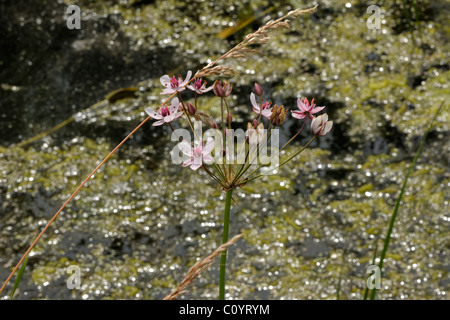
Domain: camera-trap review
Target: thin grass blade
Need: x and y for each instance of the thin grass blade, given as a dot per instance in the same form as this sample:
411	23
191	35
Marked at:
402	191
19	276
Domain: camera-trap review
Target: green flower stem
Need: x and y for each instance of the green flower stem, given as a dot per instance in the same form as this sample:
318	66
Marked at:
248	179
223	257
248	162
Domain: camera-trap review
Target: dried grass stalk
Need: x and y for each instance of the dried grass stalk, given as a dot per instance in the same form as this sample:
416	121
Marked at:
198	268
242	49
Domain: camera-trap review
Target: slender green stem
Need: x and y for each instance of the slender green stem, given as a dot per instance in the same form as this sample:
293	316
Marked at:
223	257
249	159
223	137
219	171
248	179
228	111
242	166
212	175
221	112
295	136
187	116
196	95
260	108
399	199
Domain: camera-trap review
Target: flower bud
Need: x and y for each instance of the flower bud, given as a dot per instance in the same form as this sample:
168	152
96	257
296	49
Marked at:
278	115
218	89
320	125
258	90
191	109
222	89
255	123
214	125
229	119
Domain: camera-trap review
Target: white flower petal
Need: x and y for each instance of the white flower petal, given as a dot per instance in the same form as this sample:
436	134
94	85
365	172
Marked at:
165	81
208	89
169	118
315	124
158	123
188	77
253	101
267	113
174	105
173	117
168	91
328	126
152	113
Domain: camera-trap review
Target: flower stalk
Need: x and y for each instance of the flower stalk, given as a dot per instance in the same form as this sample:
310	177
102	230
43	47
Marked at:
223	256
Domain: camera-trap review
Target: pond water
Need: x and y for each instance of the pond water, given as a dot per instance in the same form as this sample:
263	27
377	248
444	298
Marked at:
142	222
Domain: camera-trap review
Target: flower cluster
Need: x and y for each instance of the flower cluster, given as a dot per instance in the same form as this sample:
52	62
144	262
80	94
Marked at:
217	162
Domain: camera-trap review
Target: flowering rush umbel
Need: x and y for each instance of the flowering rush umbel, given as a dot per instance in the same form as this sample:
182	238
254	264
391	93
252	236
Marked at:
217	156
228	173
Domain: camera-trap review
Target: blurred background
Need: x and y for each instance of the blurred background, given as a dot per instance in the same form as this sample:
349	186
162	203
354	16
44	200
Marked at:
68	97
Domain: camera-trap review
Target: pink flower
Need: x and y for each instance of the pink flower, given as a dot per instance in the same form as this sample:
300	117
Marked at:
165	114
306	109
263	109
197	155
173	84
320	125
199	87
